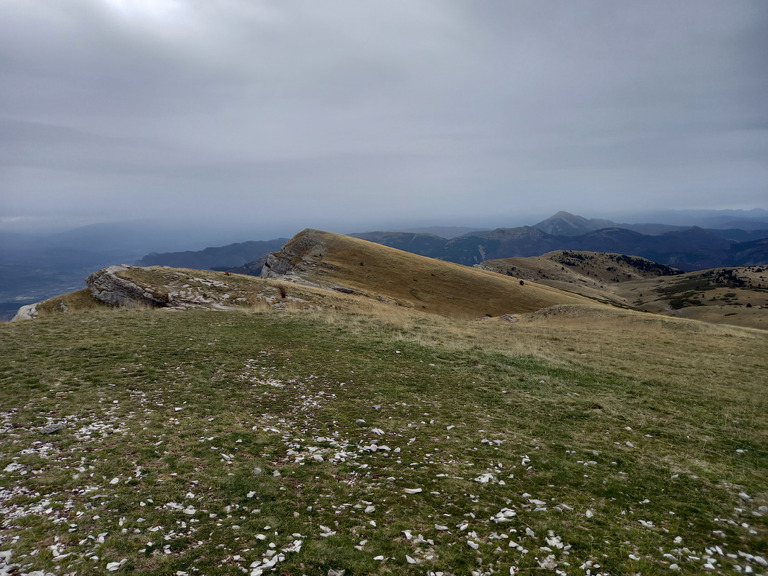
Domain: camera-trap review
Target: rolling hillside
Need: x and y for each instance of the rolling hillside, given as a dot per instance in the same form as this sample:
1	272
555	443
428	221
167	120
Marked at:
592	274
407	279
362	438
349	414
736	296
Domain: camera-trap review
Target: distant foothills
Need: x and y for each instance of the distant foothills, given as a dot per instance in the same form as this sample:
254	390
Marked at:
688	248
33	268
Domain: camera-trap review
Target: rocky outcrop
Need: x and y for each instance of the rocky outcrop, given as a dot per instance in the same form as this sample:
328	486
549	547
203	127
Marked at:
107	286
26	312
277	265
163	287
302	255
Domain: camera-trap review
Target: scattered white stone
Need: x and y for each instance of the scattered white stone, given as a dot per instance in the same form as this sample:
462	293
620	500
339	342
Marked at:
295	546
589	514
114	481
554	541
412	490
505	515
51	428
486	478
115	566
549	563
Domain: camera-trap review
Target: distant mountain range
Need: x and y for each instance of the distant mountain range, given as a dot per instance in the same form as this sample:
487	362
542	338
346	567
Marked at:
34	267
686	248
733	225
228	257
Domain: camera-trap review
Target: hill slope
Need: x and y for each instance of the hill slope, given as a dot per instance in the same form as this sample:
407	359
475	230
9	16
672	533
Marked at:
591	274
736	296
316	270
223	442
409	280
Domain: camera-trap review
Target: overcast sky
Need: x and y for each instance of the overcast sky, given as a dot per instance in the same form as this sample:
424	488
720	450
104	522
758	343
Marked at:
347	114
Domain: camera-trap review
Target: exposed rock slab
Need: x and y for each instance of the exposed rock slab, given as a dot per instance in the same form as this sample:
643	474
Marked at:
107	286
26	312
303	254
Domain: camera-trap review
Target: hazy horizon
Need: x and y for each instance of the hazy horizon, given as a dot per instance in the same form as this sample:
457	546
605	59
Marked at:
350	116
154	235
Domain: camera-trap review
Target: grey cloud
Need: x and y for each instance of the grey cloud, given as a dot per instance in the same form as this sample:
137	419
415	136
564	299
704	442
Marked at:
447	108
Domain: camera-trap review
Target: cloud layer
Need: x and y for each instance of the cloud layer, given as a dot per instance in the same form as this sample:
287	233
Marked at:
305	113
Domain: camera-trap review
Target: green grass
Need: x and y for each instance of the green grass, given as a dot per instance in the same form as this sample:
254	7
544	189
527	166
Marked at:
182	407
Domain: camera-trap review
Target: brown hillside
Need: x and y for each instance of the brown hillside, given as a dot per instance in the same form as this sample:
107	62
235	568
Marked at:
736	296
595	275
409	280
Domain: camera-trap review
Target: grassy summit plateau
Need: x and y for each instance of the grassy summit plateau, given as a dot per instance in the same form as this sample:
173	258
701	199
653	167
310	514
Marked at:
307	431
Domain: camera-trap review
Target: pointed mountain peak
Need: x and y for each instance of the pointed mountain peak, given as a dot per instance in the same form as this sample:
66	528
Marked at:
567	224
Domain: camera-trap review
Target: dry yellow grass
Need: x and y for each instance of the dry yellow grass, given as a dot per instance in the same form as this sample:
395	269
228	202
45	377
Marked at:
78	301
737	296
669	412
416	282
619	342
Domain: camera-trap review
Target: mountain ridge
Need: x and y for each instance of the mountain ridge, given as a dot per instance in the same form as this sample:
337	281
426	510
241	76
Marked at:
362	271
35	267
690	249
